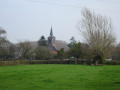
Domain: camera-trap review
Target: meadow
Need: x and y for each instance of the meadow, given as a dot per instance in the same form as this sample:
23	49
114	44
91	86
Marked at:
60	77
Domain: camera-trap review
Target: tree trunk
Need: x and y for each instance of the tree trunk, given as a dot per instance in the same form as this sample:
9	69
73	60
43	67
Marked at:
76	61
96	62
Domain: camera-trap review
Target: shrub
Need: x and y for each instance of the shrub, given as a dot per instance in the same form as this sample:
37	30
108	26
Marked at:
83	62
112	62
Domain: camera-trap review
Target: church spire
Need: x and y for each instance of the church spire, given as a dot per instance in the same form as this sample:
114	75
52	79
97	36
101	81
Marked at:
51	38
51	32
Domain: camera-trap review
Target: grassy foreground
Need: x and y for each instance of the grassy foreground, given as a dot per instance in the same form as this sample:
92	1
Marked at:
59	77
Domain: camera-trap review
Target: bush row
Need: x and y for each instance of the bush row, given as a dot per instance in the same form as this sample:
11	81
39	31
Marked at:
59	62
83	62
112	62
22	62
14	62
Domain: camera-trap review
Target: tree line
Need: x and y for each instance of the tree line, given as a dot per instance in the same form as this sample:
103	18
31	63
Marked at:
99	43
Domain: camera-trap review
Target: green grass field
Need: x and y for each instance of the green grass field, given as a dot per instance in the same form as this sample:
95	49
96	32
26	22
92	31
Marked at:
59	77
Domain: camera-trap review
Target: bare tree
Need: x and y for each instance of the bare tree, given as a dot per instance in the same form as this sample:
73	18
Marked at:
7	49
24	49
2	37
97	32
3	44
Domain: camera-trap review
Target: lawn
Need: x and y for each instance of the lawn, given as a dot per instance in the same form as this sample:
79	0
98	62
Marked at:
59	77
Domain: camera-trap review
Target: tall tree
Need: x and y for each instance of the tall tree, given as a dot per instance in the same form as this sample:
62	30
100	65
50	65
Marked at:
11	51
2	37
42	41
42	53
76	51
24	49
3	44
97	32
72	41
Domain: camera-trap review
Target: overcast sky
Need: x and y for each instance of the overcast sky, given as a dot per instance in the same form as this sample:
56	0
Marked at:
29	19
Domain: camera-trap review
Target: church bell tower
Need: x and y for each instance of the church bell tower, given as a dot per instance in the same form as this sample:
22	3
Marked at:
51	38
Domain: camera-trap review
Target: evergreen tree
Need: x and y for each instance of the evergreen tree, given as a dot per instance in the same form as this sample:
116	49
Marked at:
42	41
72	41
76	51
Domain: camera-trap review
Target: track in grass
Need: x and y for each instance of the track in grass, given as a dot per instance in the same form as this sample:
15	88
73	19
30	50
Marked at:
59	77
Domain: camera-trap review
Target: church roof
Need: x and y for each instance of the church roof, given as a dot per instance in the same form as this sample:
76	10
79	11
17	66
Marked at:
61	44
58	45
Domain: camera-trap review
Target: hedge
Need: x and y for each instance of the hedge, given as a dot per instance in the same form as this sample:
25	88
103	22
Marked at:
83	62
112	62
22	62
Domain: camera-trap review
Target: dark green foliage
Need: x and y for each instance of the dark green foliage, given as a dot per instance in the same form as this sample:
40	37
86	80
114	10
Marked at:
61	53
76	50
72	41
42	41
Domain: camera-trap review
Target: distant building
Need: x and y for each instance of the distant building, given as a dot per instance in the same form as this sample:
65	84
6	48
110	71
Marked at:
53	44
56	45
51	38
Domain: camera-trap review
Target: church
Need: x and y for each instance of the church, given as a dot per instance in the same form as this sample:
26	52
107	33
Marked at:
53	44
56	45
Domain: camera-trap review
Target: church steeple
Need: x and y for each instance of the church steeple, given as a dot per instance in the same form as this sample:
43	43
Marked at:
51	38
51	32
